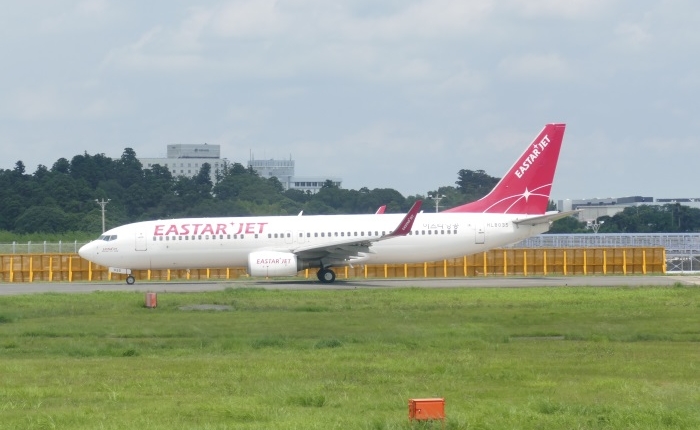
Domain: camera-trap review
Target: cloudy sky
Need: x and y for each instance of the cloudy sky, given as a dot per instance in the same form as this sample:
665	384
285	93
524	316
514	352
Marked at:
395	94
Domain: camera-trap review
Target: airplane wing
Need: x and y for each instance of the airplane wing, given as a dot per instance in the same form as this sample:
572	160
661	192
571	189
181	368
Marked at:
546	218
348	249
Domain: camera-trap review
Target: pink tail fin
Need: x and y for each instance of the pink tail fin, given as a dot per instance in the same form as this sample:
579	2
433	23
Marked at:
525	188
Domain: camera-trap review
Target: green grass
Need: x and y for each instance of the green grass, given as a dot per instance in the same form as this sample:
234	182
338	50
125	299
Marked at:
584	358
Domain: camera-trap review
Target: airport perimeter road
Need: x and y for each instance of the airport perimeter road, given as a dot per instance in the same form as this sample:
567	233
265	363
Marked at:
302	284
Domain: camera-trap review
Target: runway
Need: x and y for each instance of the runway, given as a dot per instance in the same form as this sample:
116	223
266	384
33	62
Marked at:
304	284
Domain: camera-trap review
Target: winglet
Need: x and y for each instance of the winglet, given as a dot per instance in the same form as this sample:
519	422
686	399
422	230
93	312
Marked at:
407	222
381	209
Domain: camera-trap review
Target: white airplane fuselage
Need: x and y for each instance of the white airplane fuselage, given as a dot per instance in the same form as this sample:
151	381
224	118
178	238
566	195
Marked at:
192	243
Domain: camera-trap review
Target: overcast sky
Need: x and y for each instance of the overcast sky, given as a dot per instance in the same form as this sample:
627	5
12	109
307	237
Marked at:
392	94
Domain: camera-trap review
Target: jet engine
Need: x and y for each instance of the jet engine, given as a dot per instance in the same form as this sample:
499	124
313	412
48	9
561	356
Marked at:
273	263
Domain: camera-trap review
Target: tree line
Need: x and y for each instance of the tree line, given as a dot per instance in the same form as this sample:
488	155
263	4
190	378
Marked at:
62	198
668	218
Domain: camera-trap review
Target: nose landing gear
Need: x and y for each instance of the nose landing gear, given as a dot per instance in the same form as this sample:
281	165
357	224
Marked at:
129	277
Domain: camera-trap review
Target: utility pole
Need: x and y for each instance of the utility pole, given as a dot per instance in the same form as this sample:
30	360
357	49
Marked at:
437	197
102	204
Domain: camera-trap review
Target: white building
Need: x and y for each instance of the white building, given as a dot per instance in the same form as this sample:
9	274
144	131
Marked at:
283	170
187	159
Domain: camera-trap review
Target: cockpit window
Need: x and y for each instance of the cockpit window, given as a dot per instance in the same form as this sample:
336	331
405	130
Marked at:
107	237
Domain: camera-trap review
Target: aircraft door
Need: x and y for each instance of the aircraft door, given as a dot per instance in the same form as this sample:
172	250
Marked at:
480	234
141	242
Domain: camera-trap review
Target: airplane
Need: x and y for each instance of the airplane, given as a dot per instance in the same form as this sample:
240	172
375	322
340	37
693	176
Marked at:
275	246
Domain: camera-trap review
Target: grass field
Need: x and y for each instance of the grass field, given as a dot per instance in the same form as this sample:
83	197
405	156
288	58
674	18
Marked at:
540	358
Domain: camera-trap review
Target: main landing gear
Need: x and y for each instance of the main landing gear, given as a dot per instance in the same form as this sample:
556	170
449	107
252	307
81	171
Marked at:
130	279
326	275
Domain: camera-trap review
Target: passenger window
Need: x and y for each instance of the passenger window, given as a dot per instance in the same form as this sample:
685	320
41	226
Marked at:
323	234
256	235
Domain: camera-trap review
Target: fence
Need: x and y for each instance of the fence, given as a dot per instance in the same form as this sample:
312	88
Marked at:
43	247
70	267
682	249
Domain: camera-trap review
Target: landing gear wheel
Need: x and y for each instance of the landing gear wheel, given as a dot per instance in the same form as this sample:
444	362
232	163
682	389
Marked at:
326	276
130	280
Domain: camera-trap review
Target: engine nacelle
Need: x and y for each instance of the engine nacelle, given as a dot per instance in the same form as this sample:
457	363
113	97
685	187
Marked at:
273	263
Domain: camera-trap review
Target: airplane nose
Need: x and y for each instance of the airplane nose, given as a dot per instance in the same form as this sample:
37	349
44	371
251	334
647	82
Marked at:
85	250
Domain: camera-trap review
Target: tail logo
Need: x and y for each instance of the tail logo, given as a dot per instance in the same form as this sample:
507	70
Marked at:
525	187
537	150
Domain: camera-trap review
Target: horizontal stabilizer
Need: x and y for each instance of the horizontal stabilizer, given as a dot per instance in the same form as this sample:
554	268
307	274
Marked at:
546	218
